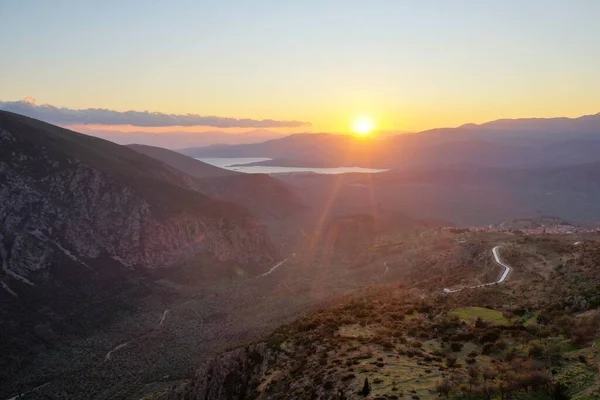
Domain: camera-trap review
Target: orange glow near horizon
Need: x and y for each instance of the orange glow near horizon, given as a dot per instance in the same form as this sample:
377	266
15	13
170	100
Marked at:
179	129
335	121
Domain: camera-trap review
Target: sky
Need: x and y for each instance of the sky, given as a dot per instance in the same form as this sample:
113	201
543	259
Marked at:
310	65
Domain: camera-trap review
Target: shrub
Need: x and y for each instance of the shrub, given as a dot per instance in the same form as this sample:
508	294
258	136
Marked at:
487	348
463	337
510	354
535	350
479	323
456	346
488	337
348	377
585	330
451	362
500	344
489	374
444	388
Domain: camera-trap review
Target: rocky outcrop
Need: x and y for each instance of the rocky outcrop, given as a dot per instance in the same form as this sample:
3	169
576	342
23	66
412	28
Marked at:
66	196
85	214
232	375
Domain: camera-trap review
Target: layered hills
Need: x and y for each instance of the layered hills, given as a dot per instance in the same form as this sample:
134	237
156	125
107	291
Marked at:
536	142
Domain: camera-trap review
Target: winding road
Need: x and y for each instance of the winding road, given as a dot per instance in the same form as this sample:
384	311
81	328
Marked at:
30	391
115	349
164	315
499	261
502	278
162	320
273	268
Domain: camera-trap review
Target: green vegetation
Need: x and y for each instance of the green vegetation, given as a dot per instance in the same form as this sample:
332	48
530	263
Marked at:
530	339
472	314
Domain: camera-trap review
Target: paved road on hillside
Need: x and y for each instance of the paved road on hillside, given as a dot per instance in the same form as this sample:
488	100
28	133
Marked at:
161	322
269	272
502	278
162	319
30	391
108	355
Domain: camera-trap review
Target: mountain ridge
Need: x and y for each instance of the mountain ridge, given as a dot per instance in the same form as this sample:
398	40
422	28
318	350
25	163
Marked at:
260	193
504	142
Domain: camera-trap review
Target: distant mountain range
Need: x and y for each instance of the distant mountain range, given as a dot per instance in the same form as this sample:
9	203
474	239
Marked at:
502	143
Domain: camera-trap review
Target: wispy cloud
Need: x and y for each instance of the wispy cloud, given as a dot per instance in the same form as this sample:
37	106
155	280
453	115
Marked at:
68	116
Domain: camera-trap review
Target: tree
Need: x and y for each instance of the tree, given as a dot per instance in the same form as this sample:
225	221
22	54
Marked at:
444	388
366	388
474	372
560	392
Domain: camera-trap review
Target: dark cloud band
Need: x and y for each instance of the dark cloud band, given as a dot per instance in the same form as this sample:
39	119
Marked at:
67	116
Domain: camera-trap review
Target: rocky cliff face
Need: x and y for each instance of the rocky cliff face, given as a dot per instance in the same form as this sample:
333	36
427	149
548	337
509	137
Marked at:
66	196
232	375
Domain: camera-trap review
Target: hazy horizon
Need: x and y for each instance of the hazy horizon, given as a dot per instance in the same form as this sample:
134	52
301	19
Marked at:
179	137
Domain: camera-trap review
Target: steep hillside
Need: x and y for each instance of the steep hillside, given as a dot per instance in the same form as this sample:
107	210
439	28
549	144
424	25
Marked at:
66	193
183	163
533	338
83	223
259	193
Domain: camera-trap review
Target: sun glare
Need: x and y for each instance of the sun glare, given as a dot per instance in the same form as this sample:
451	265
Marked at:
362	126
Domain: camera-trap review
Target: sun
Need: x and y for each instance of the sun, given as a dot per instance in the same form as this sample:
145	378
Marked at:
363	125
